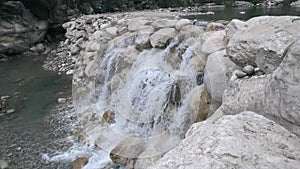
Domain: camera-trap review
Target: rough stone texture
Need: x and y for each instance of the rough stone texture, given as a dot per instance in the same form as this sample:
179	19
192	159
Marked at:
218	71
127	149
282	92
199	103
182	22
213	26
19	29
162	37
275	95
80	162
213	41
295	4
233	26
189	31
136	23
246	140
142	40
164	23
262	40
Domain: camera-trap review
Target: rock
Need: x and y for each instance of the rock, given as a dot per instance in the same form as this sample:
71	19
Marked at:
181	23
213	41
218	71
142	40
275	95
240	74
10	111
199	103
214	26
262	41
108	117
282	100
127	149
243	4
62	100
80	162
3	164
249	70
19	29
164	23
245	140
295	4
136	23
124	40
189	31
233	26
162	37
113	31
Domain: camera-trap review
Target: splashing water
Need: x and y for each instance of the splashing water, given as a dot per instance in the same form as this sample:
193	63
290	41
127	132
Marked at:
145	99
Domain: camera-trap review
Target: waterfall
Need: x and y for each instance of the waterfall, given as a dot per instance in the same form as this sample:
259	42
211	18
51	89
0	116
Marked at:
140	96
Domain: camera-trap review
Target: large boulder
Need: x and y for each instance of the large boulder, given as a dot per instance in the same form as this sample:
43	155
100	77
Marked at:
275	95
213	41
261	41
162	37
282	98
142	40
19	29
218	71
245	140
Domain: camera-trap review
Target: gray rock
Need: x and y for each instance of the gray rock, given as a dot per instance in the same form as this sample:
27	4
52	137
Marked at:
246	140
240	74
136	23
181	23
189	31
3	164
218	71
261	41
162	37
142	40
233	26
275	95
164	23
19	29
249	70
213	41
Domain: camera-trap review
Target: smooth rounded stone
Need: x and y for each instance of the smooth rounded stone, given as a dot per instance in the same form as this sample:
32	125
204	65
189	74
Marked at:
162	37
189	31
62	100
80	162
214	26
93	46
10	111
218	70
213	41
136	23
75	49
231	141
233	26
181	23
240	74
249	70
164	23
142	40
113	31
129	148
262	41
295	4
199	103
91	69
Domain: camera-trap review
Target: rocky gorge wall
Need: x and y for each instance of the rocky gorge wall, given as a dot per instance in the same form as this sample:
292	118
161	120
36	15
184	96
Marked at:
140	80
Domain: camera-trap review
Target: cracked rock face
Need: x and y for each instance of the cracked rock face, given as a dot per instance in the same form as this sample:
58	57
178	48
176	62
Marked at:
19	29
261	41
235	141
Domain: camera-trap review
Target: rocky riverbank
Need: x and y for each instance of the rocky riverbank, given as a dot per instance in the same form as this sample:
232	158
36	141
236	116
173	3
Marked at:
220	70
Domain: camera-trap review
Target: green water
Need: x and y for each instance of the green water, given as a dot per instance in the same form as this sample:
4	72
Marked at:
32	90
235	13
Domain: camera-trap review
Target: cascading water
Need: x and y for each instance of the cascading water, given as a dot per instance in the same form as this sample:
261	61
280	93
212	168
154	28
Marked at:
142	99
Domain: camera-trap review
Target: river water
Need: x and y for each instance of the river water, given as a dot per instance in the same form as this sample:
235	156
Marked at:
33	92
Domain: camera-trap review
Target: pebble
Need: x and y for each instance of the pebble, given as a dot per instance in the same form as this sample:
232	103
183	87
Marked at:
240	74
249	70
10	111
61	100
